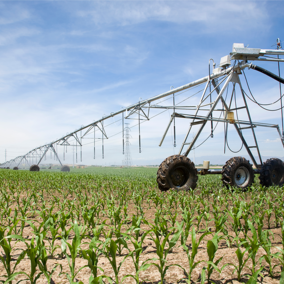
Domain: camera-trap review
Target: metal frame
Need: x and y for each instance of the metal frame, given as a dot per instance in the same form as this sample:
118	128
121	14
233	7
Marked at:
219	79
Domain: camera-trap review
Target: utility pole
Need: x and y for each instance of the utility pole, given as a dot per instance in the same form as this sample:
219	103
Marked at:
73	156
127	160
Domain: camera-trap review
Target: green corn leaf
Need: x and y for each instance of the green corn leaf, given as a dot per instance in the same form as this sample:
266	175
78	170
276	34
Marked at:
12	277
282	278
253	278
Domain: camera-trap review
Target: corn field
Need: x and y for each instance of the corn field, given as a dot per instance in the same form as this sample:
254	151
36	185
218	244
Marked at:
117	227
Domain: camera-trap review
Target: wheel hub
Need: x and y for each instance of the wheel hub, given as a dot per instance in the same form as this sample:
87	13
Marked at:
275	177
178	177
242	176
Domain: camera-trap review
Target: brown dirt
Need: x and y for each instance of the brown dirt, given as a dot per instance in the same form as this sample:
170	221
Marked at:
151	275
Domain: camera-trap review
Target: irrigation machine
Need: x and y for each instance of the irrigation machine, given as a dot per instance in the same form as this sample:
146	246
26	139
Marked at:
220	91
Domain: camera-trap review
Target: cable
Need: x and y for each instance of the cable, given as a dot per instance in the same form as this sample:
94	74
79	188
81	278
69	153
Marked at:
254	100
152	116
259	104
227	143
213	129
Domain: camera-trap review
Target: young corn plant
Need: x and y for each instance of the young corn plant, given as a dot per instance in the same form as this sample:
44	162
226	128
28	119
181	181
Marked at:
74	249
7	259
188	218
269	212
32	252
162	250
118	234
92	255
207	219
264	239
172	217
42	261
280	255
110	249
212	247
241	258
252	245
191	250
236	214
63	221
136	237
199	217
52	226
14	222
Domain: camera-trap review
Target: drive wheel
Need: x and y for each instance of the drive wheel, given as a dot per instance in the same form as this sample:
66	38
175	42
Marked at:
177	172
272	173
237	172
65	169
15	168
34	168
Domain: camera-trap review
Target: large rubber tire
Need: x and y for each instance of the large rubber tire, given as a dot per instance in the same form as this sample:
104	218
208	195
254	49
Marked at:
272	173
238	172
34	168
177	172
15	168
65	169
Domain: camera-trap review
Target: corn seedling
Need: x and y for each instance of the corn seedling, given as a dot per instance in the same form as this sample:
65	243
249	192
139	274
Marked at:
74	249
137	241
212	247
252	245
191	251
7	259
162	251
110	250
92	255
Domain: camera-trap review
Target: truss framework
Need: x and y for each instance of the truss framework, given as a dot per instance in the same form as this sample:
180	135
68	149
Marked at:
213	99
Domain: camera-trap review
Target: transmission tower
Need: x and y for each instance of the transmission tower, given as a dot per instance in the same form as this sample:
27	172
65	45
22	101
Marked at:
127	159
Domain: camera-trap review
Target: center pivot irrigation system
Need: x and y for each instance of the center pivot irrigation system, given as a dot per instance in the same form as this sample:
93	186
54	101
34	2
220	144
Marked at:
221	90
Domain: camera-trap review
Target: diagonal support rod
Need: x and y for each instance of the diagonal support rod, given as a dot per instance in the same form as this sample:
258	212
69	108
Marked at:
210	112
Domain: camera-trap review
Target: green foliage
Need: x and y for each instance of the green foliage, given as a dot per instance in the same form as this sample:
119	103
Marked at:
106	210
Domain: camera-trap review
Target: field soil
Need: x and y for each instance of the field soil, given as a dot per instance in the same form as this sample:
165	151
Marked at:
175	274
176	258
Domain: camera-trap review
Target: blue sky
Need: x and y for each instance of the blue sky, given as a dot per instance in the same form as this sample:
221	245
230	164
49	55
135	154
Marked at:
64	64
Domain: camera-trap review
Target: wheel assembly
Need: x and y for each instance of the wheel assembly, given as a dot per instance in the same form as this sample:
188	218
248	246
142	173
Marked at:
177	172
65	169
272	173
34	168
15	168
238	172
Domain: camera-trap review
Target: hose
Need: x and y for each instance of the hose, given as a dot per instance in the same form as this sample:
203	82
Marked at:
268	73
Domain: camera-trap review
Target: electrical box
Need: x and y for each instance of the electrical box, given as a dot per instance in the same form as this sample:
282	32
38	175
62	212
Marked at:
237	46
206	165
230	116
225	61
216	70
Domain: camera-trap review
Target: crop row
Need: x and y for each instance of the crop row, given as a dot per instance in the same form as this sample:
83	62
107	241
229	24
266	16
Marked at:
58	216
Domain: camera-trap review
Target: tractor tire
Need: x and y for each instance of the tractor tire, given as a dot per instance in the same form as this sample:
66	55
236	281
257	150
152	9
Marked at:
15	168
65	169
177	172
272	173
34	168
237	172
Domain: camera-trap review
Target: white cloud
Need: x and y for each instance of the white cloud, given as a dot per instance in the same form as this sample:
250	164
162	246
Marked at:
13	15
277	140
11	35
230	15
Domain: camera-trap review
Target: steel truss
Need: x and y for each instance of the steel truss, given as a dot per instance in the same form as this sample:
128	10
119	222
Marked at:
214	99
